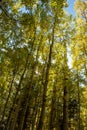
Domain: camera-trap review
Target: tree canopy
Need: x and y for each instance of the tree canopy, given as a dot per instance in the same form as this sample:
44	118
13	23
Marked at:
43	65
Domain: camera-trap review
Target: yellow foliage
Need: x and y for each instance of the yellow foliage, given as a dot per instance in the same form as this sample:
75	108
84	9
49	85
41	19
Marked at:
79	20
17	6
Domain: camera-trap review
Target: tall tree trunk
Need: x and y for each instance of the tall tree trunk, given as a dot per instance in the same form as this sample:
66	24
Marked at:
10	116
26	118
24	103
65	91
5	106
79	128
27	94
41	120
53	110
65	108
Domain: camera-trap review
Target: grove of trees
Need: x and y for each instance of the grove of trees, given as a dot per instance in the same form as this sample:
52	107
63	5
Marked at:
43	65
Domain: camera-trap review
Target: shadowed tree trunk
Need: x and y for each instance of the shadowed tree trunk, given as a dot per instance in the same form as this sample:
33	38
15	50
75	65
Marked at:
65	91
53	110
10	116
10	90
79	122
41	120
